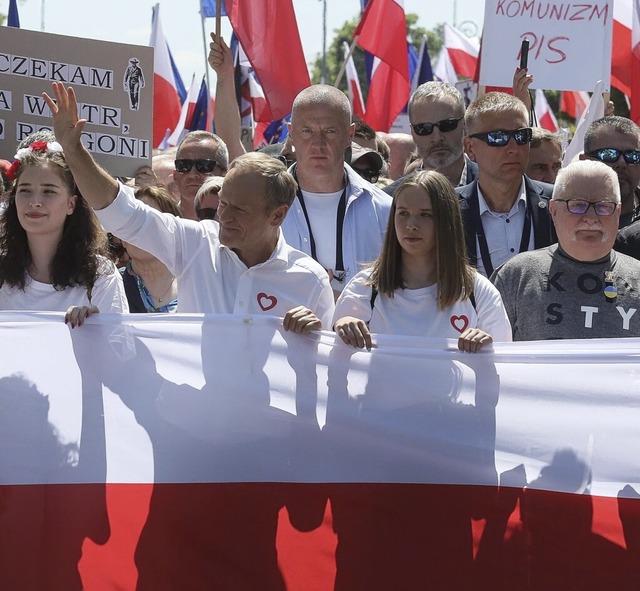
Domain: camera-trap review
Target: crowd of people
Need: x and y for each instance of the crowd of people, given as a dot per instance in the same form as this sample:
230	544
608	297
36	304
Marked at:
468	229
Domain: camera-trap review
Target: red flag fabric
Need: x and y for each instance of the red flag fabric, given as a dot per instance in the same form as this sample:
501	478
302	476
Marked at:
383	33
166	101
574	103
268	33
353	82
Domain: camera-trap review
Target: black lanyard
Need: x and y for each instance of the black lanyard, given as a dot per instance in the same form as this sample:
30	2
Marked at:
342	209
482	239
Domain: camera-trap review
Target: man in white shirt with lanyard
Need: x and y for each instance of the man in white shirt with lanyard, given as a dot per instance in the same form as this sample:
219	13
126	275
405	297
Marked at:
241	265
337	217
504	211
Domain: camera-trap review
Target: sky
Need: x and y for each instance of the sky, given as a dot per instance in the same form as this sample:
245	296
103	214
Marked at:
129	21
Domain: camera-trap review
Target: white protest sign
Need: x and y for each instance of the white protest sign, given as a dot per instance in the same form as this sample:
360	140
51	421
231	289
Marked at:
113	84
570	42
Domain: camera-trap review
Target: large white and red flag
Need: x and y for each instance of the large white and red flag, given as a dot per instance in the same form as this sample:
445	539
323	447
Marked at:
353	83
463	51
574	103
268	33
221	452
166	101
544	114
382	31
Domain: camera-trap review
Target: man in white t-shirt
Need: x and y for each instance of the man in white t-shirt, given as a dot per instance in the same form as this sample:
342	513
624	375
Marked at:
240	265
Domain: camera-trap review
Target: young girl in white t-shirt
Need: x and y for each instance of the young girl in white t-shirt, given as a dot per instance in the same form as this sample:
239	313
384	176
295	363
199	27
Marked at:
422	284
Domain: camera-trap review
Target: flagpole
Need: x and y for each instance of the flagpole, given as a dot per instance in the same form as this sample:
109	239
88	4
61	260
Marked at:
206	46
346	59
218	18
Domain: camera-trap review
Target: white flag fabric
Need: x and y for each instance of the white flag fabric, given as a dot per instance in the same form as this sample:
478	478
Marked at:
156	452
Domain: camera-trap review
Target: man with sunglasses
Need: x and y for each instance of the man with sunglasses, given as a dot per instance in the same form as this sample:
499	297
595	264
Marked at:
504	211
436	113
580	287
616	142
200	154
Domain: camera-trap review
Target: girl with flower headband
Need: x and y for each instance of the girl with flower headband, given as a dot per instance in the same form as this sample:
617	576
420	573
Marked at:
52	248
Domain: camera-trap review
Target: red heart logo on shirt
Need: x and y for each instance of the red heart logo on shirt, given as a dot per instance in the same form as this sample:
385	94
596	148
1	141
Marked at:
460	323
266	302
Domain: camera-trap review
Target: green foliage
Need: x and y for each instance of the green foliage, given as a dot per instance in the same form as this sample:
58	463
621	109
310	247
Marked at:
335	52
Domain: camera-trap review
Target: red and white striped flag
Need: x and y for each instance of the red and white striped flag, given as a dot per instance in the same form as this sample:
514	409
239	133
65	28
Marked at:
463	51
199	452
574	103
353	82
544	114
166	101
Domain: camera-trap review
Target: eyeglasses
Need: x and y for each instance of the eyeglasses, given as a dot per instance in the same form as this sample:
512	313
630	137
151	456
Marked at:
581	206
444	126
500	137
206	213
611	155
203	165
368	174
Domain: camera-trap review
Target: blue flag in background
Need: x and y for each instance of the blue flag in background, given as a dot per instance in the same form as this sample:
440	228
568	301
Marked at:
13	20
201	109
277	131
182	91
424	71
209	9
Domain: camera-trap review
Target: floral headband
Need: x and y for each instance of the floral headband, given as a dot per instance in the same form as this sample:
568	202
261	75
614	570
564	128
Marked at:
41	146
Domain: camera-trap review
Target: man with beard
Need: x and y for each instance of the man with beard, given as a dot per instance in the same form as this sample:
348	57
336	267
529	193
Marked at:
579	288
504	211
616	142
436	113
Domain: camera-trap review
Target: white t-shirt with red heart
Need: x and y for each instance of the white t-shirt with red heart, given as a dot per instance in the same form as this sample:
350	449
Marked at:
415	312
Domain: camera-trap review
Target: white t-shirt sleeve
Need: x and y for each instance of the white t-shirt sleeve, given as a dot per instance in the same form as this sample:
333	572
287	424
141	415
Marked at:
108	291
492	316
355	299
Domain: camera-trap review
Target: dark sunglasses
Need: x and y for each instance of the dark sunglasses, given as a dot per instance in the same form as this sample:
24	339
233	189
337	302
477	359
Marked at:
611	155
444	126
581	206
206	213
368	174
203	166
500	137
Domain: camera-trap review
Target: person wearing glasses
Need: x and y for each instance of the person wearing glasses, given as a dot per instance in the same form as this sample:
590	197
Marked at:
504	211
200	154
436	113
579	288
616	142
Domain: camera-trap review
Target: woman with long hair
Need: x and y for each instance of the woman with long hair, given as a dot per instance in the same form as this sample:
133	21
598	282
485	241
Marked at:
52	248
149	285
422	284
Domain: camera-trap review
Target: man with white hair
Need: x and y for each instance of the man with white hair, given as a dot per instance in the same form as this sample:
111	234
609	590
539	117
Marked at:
579	288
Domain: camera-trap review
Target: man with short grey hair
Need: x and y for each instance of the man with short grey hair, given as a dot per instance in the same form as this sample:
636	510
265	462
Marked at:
579	288
436	113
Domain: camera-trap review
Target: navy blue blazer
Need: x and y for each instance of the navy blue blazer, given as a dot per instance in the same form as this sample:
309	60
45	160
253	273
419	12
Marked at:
538	196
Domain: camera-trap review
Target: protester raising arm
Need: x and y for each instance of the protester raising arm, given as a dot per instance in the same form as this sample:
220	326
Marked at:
228	124
95	184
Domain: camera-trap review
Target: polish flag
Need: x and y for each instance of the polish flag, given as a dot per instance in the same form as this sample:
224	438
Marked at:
166	101
199	452
463	51
544	114
383	33
574	103
625	53
444	68
355	93
268	33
